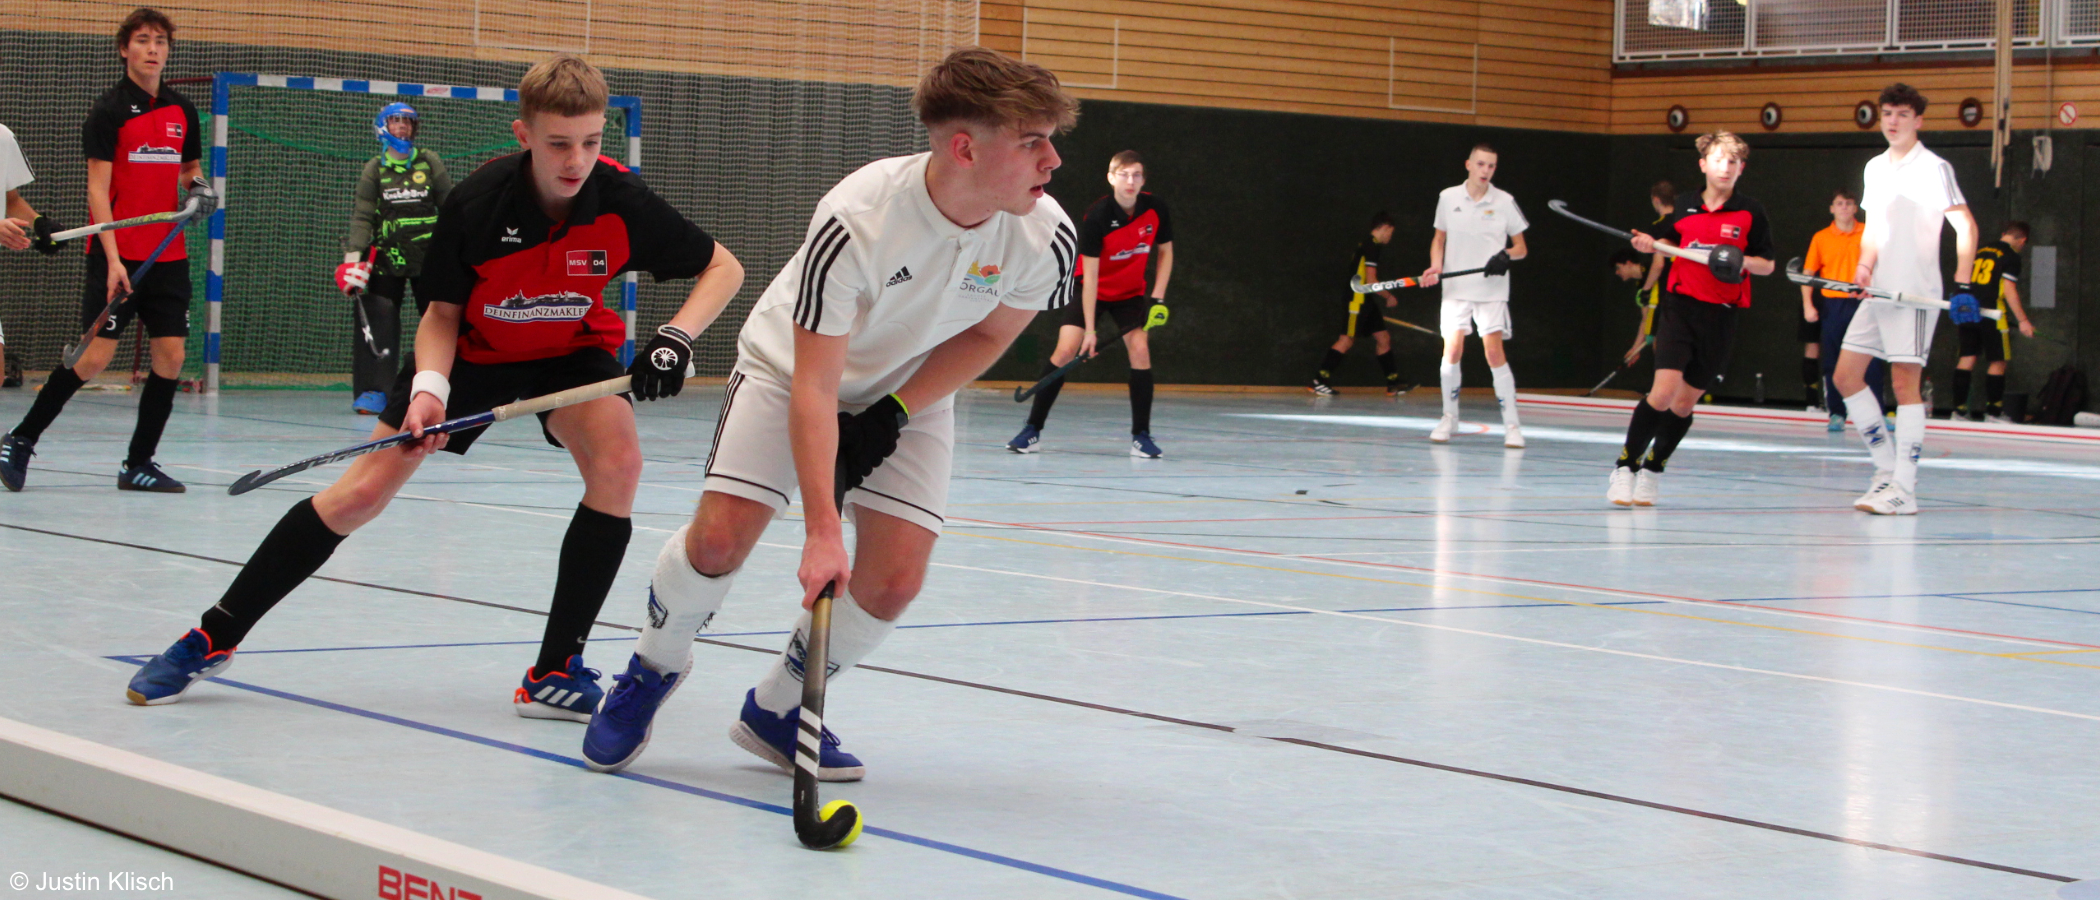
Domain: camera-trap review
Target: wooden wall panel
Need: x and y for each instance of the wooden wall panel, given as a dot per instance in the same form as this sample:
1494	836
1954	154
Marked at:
1822	100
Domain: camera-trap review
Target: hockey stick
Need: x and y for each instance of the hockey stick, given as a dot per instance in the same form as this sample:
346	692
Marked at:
1058	374
182	217
506	412
1407	324
1362	288
1873	294
819	827
161	218
1613	374
1664	247
364	324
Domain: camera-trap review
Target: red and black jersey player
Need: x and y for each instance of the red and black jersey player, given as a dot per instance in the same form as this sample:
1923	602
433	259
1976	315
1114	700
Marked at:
142	145
1118	235
515	274
1701	306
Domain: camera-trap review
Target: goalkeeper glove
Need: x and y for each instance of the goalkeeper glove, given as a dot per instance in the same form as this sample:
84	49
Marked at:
1962	307
351	277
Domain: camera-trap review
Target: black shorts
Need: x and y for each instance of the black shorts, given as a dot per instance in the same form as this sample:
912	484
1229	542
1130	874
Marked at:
480	388
1694	337
1127	314
161	302
1982	339
1366	316
1808	332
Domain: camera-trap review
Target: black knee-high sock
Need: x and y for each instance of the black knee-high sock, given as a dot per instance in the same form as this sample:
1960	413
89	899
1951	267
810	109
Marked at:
1329	363
156	402
49	402
1961	388
295	548
1040	412
1994	391
590	557
1667	434
1812	379
1391	368
1639	432
1140	401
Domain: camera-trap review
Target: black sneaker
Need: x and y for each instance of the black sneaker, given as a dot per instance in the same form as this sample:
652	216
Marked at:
12	377
14	460
146	476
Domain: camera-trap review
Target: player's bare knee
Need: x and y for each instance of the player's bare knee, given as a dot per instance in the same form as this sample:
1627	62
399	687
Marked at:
885	595
1343	343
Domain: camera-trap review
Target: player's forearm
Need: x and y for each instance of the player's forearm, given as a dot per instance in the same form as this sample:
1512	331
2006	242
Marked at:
2012	300
960	359
1964	242
18	208
99	208
1166	269
1808	297
191	171
711	293
1436	251
1758	265
813	427
1089	287
437	338
1517	249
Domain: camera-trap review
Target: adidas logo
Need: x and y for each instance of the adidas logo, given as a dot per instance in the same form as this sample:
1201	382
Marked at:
903	275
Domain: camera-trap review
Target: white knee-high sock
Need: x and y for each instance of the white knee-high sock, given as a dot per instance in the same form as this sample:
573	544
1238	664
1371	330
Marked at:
1865	411
854	634
681	601
1910	444
1449	373
1506	392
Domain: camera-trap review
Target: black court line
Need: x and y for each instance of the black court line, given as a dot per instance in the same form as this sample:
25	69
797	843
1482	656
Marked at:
1192	723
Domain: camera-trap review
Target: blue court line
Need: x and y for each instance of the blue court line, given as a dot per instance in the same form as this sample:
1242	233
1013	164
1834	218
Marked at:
929	843
1233	615
2089	612
1960	596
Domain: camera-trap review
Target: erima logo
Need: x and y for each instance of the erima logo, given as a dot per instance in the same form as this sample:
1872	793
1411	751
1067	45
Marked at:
903	275
1142	249
147	153
584	263
510	236
404	194
560	306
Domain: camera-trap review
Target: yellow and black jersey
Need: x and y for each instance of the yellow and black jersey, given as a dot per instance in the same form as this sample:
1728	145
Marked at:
1368	262
1996	264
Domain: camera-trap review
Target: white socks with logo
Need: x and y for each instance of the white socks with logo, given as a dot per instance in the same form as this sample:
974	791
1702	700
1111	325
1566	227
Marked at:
681	601
1506	392
1865	411
854	634
1910	444
1449	373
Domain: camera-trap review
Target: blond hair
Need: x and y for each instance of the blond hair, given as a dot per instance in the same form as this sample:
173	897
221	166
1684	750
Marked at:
1736	148
984	87
564	85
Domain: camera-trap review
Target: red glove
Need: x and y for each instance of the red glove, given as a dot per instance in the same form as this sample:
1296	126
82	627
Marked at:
350	277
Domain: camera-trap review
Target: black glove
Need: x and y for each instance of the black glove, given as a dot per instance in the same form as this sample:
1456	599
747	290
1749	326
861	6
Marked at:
659	370
868	437
1497	264
45	227
1726	262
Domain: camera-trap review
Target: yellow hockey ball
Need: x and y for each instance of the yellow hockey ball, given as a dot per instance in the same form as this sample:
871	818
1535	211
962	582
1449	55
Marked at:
832	808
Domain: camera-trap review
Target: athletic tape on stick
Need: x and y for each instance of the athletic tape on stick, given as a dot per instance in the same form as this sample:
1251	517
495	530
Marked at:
302	845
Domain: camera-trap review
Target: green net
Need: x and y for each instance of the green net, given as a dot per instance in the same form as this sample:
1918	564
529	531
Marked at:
293	159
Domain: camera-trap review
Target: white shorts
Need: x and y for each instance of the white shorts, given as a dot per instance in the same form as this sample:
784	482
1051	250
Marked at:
1899	334
1491	317
751	457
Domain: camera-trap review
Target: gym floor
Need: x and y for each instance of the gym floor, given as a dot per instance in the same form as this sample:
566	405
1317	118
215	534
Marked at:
1306	655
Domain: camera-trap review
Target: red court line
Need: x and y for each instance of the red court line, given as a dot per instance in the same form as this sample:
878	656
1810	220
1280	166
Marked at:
1470	515
1535	581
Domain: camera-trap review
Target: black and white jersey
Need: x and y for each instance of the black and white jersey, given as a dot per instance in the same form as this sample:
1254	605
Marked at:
882	265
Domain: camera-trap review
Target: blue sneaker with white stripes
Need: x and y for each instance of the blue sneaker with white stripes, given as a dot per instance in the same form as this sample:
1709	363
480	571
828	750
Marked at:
1026	441
1141	446
772	738
14	460
620	730
571	693
146	476
164	678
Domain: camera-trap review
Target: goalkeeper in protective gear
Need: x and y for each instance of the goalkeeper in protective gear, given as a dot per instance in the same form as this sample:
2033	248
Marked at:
398	196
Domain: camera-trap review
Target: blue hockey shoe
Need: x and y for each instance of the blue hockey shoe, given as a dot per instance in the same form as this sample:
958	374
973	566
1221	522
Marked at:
369	403
1141	446
571	693
14	460
620	729
164	678
1026	441
772	738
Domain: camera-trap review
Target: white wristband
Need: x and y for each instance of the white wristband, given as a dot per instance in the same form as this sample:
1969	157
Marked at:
434	383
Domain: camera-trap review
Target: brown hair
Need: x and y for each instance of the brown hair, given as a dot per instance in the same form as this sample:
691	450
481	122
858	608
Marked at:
1125	158
564	85
1483	147
1736	148
984	87
1846	193
1900	94
2016	228
144	17
1663	190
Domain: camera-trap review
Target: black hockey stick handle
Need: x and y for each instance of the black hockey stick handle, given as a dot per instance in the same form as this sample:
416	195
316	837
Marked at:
1664	247
1058	374
1374	287
811	828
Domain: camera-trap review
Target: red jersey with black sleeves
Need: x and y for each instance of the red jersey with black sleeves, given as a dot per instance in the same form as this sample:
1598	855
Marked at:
1739	221
146	139
534	288
1123	241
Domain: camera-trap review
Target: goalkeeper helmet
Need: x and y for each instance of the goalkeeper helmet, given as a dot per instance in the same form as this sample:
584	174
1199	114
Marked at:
389	113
